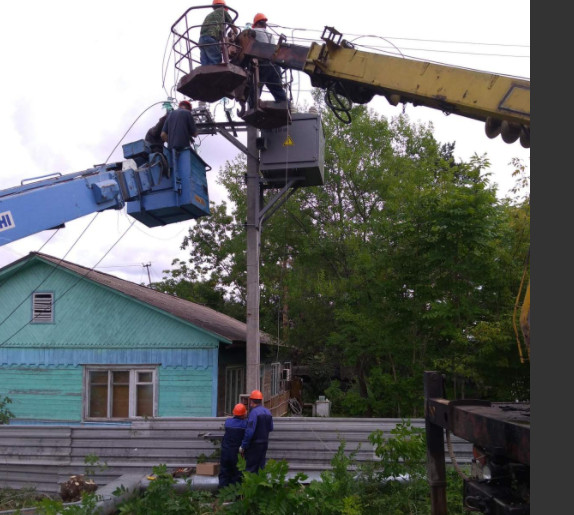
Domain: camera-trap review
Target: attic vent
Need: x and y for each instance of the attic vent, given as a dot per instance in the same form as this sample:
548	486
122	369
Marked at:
42	308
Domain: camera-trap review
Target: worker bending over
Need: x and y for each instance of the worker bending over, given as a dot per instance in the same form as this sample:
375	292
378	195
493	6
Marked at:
234	432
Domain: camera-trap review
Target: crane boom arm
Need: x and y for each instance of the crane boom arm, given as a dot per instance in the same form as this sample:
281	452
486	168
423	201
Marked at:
461	91
158	189
502	102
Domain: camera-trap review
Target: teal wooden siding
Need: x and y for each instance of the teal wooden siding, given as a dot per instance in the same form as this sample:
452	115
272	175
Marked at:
199	359
185	393
86	314
49	393
41	365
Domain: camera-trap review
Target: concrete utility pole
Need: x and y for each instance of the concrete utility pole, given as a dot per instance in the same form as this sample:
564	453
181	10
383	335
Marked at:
258	211
147	265
253	243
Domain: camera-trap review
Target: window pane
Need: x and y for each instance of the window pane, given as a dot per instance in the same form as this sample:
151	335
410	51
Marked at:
145	377
144	403
122	377
120	401
99	377
98	401
234	386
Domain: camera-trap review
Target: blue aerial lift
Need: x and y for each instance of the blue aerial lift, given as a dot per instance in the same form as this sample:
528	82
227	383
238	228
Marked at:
157	188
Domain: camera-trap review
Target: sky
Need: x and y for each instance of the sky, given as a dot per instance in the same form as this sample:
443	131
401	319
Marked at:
80	79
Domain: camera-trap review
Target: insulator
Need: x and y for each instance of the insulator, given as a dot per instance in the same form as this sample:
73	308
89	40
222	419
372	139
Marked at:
510	131
492	127
393	99
525	137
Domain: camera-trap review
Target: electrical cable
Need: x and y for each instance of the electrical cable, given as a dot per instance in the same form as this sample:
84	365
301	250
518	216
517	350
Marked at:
445	42
453	457
441	41
446	52
74	284
46	278
25	299
77	239
165	64
130	127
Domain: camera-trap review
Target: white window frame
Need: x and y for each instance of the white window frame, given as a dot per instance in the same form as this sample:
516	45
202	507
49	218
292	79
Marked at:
275	378
134	371
42	307
234	386
262	378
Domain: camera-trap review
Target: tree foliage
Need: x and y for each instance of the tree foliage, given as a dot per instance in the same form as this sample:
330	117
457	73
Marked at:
403	261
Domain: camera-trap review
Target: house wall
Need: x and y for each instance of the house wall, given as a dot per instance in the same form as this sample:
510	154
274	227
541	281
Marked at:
87	314
43	393
56	393
186	393
41	365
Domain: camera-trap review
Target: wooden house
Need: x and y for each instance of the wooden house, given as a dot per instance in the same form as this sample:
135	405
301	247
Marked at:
81	346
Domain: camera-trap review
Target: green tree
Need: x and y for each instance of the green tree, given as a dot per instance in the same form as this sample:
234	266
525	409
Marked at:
402	262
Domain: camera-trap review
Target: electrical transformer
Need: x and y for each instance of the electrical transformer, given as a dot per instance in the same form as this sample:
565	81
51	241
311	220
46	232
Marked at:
294	152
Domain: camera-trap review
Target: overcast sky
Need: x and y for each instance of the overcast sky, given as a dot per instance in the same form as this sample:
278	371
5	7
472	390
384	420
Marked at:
76	76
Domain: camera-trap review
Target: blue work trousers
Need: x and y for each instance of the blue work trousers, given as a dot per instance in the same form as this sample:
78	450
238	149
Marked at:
210	50
255	456
270	76
229	474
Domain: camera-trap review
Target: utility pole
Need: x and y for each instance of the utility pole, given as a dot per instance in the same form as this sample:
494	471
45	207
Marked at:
253	245
147	265
258	214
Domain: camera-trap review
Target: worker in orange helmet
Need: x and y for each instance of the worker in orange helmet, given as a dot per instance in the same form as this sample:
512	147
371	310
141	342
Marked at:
256	440
212	32
269	74
229	474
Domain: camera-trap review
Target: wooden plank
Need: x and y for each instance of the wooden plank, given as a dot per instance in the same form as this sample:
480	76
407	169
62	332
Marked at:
35	451
7	431
33	460
163	443
34	442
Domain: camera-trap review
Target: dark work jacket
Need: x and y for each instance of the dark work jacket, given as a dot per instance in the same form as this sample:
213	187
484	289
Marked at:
259	425
153	136
234	432
180	128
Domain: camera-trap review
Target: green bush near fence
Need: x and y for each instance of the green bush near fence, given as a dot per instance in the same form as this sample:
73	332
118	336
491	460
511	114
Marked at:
394	484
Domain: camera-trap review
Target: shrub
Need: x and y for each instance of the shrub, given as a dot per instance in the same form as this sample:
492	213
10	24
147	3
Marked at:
5	413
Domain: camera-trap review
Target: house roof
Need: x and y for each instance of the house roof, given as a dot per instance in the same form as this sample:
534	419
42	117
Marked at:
224	326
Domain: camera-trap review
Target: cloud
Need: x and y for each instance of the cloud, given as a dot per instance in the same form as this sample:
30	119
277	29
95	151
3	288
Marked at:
78	76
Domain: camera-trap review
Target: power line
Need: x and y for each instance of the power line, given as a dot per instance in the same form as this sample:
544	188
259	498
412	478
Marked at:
77	239
71	287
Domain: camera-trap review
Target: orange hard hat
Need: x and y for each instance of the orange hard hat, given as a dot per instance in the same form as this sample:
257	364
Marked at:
259	17
218	2
239	410
256	394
